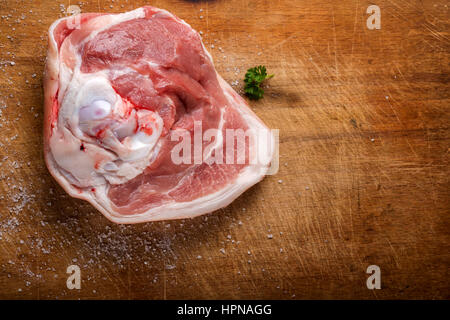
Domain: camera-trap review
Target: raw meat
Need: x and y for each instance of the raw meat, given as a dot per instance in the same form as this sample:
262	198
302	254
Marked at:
122	91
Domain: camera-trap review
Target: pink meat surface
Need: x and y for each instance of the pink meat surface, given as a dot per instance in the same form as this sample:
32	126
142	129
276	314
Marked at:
119	91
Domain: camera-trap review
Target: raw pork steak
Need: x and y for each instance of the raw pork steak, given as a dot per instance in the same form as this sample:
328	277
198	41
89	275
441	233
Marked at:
122	91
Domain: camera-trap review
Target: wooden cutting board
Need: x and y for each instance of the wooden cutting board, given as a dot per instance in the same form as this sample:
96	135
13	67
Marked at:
364	156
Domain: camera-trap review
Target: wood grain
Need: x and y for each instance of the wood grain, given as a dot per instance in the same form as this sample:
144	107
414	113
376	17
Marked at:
364	157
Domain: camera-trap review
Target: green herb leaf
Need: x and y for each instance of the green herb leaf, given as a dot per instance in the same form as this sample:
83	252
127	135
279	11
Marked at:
253	81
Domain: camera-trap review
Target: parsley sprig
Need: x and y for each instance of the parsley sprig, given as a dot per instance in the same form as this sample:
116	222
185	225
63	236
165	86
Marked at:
253	81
